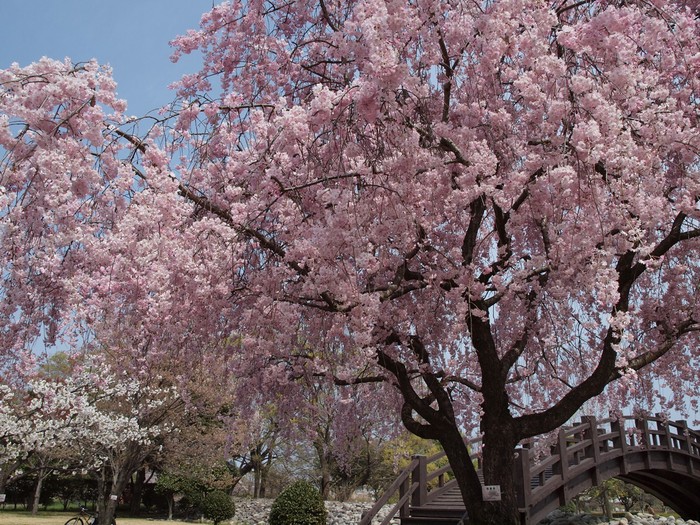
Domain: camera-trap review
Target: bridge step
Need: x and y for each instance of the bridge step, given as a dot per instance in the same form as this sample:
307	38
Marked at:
438	510
446	509
432	520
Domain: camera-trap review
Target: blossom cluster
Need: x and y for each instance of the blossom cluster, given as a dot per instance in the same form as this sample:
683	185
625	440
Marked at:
91	413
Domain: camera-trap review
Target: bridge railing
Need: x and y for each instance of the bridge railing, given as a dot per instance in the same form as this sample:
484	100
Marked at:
404	487
579	448
422	481
576	449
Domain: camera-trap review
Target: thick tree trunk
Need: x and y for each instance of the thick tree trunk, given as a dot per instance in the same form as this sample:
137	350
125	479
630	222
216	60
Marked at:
501	432
109	492
122	468
498	468
607	504
110	512
120	480
461	463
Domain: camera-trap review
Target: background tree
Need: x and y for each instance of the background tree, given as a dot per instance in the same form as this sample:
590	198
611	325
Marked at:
615	490
48	401
630	495
119	424
20	491
347	431
257	460
169	485
37	422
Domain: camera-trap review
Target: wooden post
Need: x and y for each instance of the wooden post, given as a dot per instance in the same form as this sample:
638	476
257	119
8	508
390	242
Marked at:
593	452
618	427
419	476
405	509
522	478
562	466
605	445
591	434
692	442
619	441
643	425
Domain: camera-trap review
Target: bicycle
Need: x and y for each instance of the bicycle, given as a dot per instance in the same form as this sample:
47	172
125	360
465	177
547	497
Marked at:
85	518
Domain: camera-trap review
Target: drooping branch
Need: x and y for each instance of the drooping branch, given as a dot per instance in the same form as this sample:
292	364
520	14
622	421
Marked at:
530	425
413	402
650	356
315	182
563	8
629	273
448	146
399	371
204	203
607	370
520	344
327	16
504	252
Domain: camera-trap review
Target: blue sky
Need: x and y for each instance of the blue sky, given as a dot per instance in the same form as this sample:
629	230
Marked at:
130	35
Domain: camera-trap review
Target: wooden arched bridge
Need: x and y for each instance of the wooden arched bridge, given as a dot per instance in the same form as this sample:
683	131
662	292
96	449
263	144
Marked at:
662	457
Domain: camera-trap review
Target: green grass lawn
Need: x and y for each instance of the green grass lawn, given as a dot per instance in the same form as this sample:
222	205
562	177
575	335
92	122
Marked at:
9	517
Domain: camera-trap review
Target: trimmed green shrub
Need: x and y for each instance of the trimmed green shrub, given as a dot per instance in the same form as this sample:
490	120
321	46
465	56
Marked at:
218	506
299	504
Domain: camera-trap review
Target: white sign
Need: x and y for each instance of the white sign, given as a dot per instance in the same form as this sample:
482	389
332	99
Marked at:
2	498
491	492
114	497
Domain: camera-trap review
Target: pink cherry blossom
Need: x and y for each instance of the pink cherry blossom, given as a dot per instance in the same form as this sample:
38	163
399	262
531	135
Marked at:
491	209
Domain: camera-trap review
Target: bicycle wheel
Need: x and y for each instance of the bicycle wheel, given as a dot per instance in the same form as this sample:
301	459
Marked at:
75	521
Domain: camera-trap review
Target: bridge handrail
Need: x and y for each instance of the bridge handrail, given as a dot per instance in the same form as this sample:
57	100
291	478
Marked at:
576	449
595	440
422	478
399	485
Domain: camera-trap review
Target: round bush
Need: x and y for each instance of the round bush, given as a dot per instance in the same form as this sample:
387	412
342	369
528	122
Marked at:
218	506
299	504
